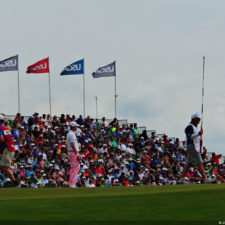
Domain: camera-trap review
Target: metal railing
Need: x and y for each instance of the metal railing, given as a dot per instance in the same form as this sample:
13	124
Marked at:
120	122
141	129
160	135
149	132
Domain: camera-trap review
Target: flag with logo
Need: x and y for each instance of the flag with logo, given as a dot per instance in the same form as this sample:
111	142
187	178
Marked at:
105	71
10	64
75	68
41	66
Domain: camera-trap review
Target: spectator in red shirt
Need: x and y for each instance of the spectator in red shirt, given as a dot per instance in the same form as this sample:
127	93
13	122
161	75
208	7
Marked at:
18	117
125	181
215	158
165	140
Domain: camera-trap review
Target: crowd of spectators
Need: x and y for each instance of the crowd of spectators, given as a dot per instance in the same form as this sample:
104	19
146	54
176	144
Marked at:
112	154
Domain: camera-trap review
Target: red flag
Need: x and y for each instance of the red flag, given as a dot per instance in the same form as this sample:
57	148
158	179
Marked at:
41	66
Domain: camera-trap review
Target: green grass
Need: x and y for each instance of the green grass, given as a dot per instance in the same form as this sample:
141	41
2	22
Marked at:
181	204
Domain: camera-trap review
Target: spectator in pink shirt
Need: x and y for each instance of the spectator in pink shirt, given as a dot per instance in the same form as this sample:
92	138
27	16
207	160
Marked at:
22	172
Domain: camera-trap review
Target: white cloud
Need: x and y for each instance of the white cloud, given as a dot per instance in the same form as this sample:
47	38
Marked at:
158	46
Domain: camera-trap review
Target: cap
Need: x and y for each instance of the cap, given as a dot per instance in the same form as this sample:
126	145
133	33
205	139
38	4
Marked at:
73	124
1	117
196	115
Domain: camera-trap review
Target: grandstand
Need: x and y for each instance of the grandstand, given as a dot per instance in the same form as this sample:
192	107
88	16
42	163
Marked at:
113	152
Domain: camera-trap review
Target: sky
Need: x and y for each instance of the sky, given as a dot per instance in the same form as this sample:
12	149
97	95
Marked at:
158	46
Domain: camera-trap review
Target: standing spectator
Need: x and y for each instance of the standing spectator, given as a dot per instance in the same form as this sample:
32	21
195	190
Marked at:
136	132
215	158
104	122
62	119
15	132
73	150
204	154
8	150
18	117
144	135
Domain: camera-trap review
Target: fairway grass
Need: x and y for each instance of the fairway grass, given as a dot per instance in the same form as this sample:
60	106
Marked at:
181	204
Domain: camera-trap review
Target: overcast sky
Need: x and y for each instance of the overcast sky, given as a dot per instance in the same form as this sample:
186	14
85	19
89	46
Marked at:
158	47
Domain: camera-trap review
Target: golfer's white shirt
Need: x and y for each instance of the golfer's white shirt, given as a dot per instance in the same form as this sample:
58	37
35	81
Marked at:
71	138
78	132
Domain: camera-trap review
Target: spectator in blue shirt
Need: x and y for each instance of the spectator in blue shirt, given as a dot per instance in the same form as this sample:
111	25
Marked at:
29	171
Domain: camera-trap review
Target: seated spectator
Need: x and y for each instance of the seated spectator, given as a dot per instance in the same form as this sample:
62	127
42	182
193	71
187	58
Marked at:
146	159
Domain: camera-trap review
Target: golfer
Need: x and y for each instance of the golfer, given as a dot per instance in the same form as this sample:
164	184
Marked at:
73	151
193	137
8	150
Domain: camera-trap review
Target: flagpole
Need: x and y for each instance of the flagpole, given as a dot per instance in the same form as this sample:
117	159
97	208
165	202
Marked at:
96	101
115	93
18	79
115	97
203	79
49	88
84	95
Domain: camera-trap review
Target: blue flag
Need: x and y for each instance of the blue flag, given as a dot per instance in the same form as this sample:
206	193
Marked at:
75	68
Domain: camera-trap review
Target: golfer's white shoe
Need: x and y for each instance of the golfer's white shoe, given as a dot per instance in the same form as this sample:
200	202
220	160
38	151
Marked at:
207	181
